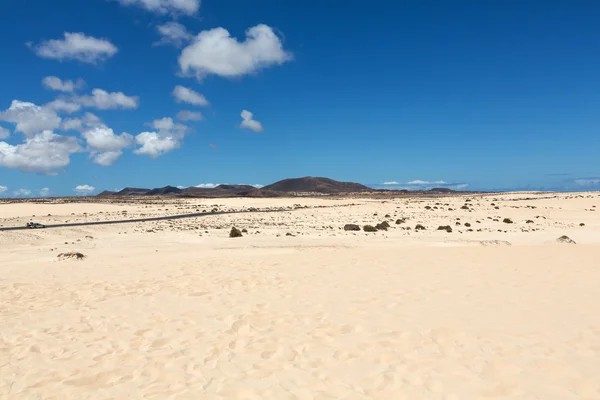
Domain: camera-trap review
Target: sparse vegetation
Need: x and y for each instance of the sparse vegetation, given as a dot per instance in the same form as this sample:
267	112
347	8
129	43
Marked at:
235	232
369	228
71	255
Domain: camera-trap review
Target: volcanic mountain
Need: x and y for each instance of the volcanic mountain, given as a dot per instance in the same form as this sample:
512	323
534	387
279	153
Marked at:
307	184
316	185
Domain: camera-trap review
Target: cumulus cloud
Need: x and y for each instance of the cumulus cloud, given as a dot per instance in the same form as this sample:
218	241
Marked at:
154	144
107	158
22	193
162	7
44	153
215	52
74	124
391	183
187	95
186	115
104	145
426	183
167	136
87	121
249	122
84	190
3	189
4	133
76	46
62	105
104	100
55	83
174	34
29	118
45	192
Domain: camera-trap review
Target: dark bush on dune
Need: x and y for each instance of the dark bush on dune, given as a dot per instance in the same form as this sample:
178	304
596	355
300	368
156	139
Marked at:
383	226
235	232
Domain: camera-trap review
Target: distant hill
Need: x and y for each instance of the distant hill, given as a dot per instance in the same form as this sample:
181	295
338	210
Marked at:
442	190
315	185
132	192
307	184
235	187
164	190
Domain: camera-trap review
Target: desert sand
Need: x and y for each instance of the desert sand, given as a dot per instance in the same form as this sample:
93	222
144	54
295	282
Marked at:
299	308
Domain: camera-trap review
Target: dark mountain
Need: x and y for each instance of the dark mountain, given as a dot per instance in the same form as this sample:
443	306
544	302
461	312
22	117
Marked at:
132	192
442	190
317	185
107	193
164	190
235	187
219	191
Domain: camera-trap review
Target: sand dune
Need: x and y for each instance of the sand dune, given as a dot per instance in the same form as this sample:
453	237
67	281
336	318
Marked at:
178	310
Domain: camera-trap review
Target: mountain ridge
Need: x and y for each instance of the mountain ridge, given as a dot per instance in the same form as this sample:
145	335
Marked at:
307	184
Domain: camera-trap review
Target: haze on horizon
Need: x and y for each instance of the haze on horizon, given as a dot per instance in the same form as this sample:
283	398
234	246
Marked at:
106	94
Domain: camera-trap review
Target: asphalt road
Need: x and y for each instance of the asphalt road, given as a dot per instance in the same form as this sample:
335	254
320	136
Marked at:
126	221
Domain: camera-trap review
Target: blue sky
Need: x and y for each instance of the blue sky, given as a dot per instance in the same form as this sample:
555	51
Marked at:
106	94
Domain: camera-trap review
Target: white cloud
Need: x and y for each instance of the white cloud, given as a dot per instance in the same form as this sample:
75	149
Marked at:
167	125
84	189
103	139
186	115
214	185
105	147
29	118
107	158
166	137
391	183
22	192
88	121
174	7
249	123
460	186
216	52
174	34
104	100
43	153
55	83
3	189
419	182
186	95
66	106
154	144
71	124
76	46
4	133
45	192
